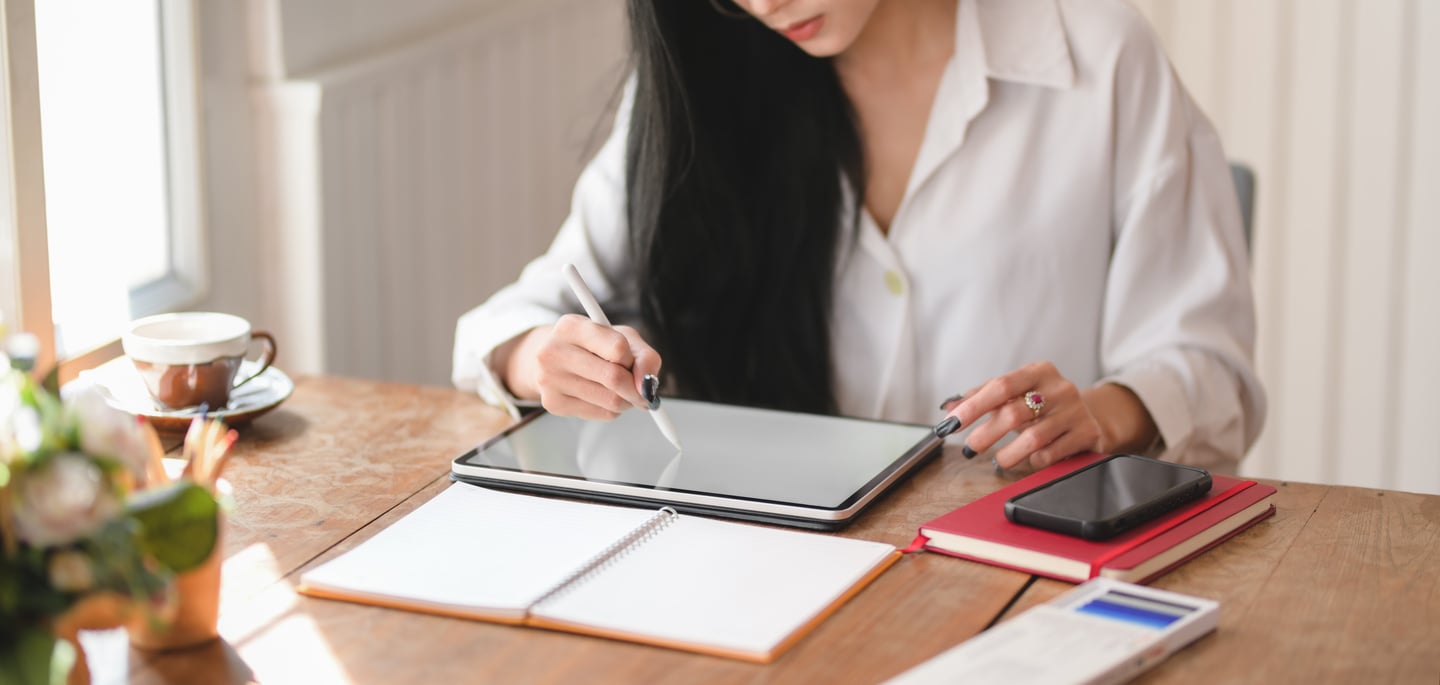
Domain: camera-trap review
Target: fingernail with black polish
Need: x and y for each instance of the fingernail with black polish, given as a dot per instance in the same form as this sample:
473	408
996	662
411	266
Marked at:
969	453
952	398
946	427
649	385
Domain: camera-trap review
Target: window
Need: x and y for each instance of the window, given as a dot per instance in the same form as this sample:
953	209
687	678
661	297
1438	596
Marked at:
117	103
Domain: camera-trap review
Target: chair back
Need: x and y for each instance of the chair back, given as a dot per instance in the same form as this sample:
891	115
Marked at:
1245	189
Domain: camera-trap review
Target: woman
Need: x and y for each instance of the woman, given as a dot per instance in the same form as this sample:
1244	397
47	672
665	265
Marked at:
862	206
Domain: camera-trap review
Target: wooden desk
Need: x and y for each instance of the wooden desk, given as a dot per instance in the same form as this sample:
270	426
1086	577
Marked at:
1342	585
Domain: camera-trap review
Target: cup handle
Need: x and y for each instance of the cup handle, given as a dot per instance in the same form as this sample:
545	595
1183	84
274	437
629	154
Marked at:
266	358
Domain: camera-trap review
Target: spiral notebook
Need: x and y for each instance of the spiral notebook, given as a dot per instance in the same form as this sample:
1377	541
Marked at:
656	577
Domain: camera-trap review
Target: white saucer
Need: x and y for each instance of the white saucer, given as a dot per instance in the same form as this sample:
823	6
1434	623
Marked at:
124	390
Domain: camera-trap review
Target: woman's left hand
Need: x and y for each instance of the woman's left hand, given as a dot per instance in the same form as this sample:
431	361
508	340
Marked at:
1056	423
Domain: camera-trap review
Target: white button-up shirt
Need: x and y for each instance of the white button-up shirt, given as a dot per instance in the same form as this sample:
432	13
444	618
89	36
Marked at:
1069	203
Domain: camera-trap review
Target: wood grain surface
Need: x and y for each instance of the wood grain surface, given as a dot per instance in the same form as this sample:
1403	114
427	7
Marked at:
337	454
1342	585
345	458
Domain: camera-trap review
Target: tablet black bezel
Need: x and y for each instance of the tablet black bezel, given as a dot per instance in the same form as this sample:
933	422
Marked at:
886	479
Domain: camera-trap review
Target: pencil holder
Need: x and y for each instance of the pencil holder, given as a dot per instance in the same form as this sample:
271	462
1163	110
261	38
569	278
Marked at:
195	615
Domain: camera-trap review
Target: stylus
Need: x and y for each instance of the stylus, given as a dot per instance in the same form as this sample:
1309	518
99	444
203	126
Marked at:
596	314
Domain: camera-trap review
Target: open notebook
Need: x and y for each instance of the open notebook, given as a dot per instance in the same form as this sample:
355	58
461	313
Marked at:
657	577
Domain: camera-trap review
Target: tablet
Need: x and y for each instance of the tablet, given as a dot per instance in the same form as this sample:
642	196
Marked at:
803	470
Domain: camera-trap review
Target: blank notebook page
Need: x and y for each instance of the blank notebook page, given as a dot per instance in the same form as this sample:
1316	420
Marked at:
716	583
470	548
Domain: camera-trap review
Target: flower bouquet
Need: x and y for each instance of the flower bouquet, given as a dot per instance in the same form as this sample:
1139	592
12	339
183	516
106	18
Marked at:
93	533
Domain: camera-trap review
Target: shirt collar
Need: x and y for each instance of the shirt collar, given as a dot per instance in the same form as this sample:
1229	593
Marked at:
1019	41
1022	41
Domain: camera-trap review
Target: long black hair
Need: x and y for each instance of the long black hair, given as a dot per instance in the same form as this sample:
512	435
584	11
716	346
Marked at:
739	147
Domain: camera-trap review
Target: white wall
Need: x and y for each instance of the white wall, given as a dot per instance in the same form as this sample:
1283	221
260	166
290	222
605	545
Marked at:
416	86
402	189
304	36
229	160
1335	104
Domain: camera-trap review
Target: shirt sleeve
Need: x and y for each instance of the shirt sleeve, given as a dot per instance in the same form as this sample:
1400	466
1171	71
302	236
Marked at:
593	238
1179	319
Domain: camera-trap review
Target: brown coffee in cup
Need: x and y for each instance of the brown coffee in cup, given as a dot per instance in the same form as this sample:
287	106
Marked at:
192	358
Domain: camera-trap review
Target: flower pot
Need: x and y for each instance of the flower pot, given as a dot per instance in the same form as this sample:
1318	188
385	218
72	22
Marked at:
194	617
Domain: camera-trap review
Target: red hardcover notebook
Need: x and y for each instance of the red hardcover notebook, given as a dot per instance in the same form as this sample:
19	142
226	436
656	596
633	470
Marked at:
980	532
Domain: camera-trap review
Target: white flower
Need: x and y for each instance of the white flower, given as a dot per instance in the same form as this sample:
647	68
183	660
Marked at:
9	405
21	431
71	571
65	499
108	432
19	422
25	428
9	397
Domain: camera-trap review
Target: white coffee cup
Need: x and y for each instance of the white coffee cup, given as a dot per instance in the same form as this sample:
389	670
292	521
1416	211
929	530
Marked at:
192	358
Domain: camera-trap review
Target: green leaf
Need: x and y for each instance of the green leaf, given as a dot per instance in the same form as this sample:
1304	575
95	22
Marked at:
29	661
54	435
178	524
119	562
25	592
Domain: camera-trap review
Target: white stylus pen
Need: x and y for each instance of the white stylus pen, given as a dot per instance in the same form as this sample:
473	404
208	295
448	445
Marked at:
592	308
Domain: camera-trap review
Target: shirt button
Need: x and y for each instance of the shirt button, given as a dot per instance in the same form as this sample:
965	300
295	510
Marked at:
894	283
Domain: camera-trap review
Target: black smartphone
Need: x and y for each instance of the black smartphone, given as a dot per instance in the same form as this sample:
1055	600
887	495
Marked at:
1108	497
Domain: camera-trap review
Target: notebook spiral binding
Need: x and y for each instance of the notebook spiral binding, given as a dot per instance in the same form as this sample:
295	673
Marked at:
608	556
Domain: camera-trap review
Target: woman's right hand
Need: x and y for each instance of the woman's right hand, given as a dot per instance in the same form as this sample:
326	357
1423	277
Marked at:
578	367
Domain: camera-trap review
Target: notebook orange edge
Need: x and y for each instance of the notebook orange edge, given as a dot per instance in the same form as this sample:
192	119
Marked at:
581	629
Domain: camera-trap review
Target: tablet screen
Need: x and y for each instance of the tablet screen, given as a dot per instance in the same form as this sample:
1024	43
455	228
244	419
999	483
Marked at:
802	459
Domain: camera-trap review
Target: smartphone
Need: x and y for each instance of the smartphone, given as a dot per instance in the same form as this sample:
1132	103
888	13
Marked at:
1108	497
